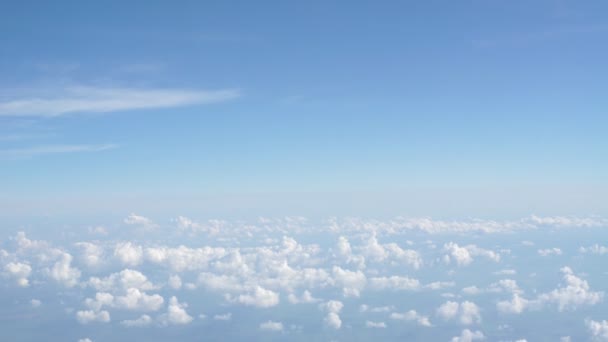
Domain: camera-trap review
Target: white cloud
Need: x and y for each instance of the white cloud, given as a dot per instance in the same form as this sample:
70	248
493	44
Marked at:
468	336
463	256
32	151
260	297
271	326
394	283
122	280
92	254
333	308
88	316
306	297
85	340
223	317
597	329
35	303
176	313
412	315
128	253
549	251
351	282
175	282
63	272
142	321
18	271
136	300
594	249
140	221
99	100
466	313
371	324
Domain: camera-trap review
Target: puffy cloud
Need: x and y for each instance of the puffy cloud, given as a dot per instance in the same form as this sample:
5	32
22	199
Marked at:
333	308
505	272
463	256
412	315
351	282
597	329
371	324
466	313
176	313
394	283
183	258
575	293
142	321
35	303
88	316
260	297
63	272
140	221
271	326
306	297
128	253
594	249
175	282
92	254
122	280
223	317
136	300
18	271
549	251
468	336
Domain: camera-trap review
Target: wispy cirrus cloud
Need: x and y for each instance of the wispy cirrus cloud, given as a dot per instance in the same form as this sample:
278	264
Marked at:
27	152
85	99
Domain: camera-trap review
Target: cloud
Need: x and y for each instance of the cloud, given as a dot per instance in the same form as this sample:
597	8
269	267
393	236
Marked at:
28	152
142	321
122	280
306	297
271	326
35	303
88	316
594	249
597	329
176	313
371	324
128	253
463	256
140	221
260	297
412	315
468	336
466	313
549	251
575	292
18	271
223	317
333	308
82	99
62	271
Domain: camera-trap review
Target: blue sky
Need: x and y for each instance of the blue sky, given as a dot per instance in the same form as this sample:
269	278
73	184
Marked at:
435	108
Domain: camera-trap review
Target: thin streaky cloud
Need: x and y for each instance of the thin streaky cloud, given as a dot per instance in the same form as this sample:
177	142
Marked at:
27	152
102	100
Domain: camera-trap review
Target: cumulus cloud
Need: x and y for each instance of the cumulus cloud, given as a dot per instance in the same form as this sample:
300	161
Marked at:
122	280
260	297
140	221
371	324
19	272
88	316
223	317
92	255
412	315
142	321
466	312
176	313
63	272
333	308
129	254
594	249
549	251
305	298
573	294
464	255
271	326
597	329
468	336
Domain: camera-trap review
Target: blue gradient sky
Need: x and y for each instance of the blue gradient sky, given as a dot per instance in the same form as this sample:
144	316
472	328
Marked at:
451	108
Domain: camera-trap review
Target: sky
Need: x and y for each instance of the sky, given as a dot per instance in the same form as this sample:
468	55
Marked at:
303	171
284	108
